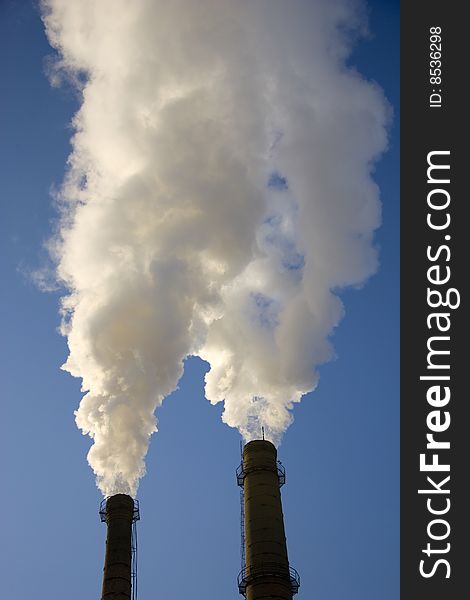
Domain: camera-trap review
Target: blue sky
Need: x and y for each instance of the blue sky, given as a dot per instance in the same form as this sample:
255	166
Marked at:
341	454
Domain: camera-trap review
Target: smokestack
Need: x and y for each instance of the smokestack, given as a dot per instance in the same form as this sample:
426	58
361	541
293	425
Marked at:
119	512
266	573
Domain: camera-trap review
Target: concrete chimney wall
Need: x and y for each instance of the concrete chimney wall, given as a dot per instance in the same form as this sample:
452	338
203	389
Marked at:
117	564
267	565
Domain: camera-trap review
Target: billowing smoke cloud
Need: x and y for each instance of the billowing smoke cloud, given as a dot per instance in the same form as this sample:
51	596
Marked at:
218	193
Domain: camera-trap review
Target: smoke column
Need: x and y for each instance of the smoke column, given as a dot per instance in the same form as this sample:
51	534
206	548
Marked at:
217	196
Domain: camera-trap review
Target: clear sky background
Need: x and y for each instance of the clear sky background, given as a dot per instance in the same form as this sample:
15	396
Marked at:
341	454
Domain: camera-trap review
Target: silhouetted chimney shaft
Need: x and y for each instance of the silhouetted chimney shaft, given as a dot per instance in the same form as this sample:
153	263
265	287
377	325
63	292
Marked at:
117	563
267	566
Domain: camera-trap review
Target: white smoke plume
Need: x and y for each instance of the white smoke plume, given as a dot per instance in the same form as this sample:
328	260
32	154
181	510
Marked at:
218	194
